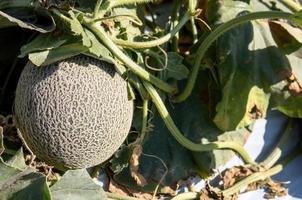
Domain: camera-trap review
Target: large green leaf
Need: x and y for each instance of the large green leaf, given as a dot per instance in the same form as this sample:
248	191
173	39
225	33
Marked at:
49	56
77	185
21	185
26	16
249	62
42	42
192	118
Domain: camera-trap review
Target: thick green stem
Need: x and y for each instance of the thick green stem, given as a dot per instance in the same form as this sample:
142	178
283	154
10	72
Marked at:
135	68
217	33
277	152
97	9
186	196
182	139
175	15
291	4
194	30
144	121
157	42
252	178
192	8
139	87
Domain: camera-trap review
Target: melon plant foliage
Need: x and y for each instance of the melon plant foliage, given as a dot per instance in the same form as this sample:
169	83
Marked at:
199	72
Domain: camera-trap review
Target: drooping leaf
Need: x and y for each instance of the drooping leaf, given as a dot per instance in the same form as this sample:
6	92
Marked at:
21	185
53	55
77	184
28	17
42	42
248	58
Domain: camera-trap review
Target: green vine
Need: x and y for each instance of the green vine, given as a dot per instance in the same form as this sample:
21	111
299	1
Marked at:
174	21
144	121
192	9
182	139
220	30
157	42
104	38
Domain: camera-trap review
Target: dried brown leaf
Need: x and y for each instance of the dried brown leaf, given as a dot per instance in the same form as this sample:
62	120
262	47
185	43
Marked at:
168	190
117	189
274	189
209	193
235	174
142	195
134	166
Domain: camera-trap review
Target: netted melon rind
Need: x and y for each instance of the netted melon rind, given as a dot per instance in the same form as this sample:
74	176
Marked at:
73	114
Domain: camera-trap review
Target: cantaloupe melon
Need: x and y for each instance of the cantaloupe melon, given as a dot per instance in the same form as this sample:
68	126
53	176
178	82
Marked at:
74	113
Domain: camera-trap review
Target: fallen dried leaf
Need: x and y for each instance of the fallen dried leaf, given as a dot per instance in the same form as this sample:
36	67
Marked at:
274	189
134	166
235	174
209	193
117	189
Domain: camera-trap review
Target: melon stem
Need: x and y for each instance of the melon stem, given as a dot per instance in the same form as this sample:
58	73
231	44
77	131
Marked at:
209	146
144	121
156	42
118	53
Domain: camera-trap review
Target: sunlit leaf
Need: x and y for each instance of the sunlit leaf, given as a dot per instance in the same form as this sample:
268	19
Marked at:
77	184
21	185
53	55
45	41
247	58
